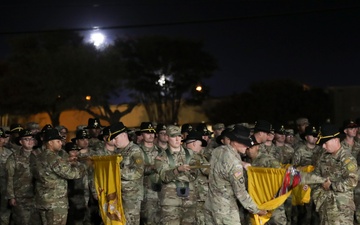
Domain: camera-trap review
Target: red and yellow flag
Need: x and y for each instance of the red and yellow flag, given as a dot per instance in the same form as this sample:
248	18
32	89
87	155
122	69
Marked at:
108	188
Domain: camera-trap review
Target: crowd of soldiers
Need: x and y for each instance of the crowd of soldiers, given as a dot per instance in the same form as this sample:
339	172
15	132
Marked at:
177	174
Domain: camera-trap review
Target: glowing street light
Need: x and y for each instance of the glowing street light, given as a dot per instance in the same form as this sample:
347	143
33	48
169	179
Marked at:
198	88
88	98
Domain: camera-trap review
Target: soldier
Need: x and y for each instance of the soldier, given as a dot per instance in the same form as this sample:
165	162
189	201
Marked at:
260	159
132	170
150	208
269	147
206	134
51	174
290	139
33	127
227	183
283	152
185	129
63	133
104	147
223	138
217	128
196	143
20	182
177	196
334	199
5	210
301	123
162	138
306	155
94	128
14	134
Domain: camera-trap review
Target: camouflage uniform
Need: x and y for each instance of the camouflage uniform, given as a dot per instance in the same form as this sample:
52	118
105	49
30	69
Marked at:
150	207
304	156
355	149
226	186
5	210
132	190
336	206
20	186
268	149
202	187
278	216
51	172
284	154
176	209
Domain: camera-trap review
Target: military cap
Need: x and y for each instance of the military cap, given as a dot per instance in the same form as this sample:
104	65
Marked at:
218	126
349	124
147	127
279	129
173	131
105	132
71	146
80	134
24	133
327	132
202	128
14	128
93	123
51	134
223	134
194	136
241	135
186	128
32	126
2	133
160	127
47	127
263	125
116	129
310	130
289	132
302	121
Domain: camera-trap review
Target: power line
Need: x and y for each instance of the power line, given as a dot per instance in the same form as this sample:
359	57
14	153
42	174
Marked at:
192	22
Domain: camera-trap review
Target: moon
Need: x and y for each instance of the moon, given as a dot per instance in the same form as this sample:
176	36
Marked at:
97	39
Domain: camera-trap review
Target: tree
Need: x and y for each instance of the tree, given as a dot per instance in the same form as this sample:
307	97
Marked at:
276	101
161	70
55	72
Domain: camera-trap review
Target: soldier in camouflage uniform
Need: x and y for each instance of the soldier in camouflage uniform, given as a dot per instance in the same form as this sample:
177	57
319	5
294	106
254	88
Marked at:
334	199
94	129
301	124
196	143
14	134
104	147
227	183
259	159
20	182
5	210
178	194
51	173
217	128
185	129
162	138
132	171
350	129
150	207
283	152
306	155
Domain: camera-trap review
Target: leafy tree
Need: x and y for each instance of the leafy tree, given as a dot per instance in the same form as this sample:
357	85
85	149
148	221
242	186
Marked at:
54	72
161	70
274	100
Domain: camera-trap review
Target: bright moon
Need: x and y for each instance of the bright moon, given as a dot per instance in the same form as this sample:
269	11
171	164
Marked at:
97	39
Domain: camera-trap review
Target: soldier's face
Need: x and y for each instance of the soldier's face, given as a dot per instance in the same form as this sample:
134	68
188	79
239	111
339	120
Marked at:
55	145
332	145
148	137
82	143
280	138
162	136
27	143
351	132
252	151
195	146
174	142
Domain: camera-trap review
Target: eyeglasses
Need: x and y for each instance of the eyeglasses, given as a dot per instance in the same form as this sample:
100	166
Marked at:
28	139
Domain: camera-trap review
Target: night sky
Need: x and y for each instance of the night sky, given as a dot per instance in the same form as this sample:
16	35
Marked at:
315	43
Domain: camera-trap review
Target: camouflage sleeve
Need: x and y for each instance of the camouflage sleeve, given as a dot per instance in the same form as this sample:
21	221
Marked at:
65	170
10	171
296	159
349	175
311	178
133	169
237	181
166	173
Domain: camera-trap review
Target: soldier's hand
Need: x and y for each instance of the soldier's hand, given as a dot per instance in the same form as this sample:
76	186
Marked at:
12	202
326	184
183	168
245	165
262	213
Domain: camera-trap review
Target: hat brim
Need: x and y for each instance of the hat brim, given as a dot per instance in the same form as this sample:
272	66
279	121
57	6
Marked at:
242	140
324	140
263	130
58	137
203	142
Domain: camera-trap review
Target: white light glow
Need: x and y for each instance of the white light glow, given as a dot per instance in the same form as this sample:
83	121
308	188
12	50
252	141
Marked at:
97	39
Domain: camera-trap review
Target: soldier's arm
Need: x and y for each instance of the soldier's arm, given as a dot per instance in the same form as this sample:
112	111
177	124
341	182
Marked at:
10	171
135	169
66	170
237	180
349	175
296	159
167	174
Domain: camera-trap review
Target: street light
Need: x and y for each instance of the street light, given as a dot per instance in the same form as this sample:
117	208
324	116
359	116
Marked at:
88	98
198	88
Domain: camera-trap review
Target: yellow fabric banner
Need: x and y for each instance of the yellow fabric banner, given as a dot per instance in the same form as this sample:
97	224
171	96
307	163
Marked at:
108	188
263	185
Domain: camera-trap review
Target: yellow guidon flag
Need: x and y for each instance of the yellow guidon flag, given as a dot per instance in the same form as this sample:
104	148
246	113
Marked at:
108	187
